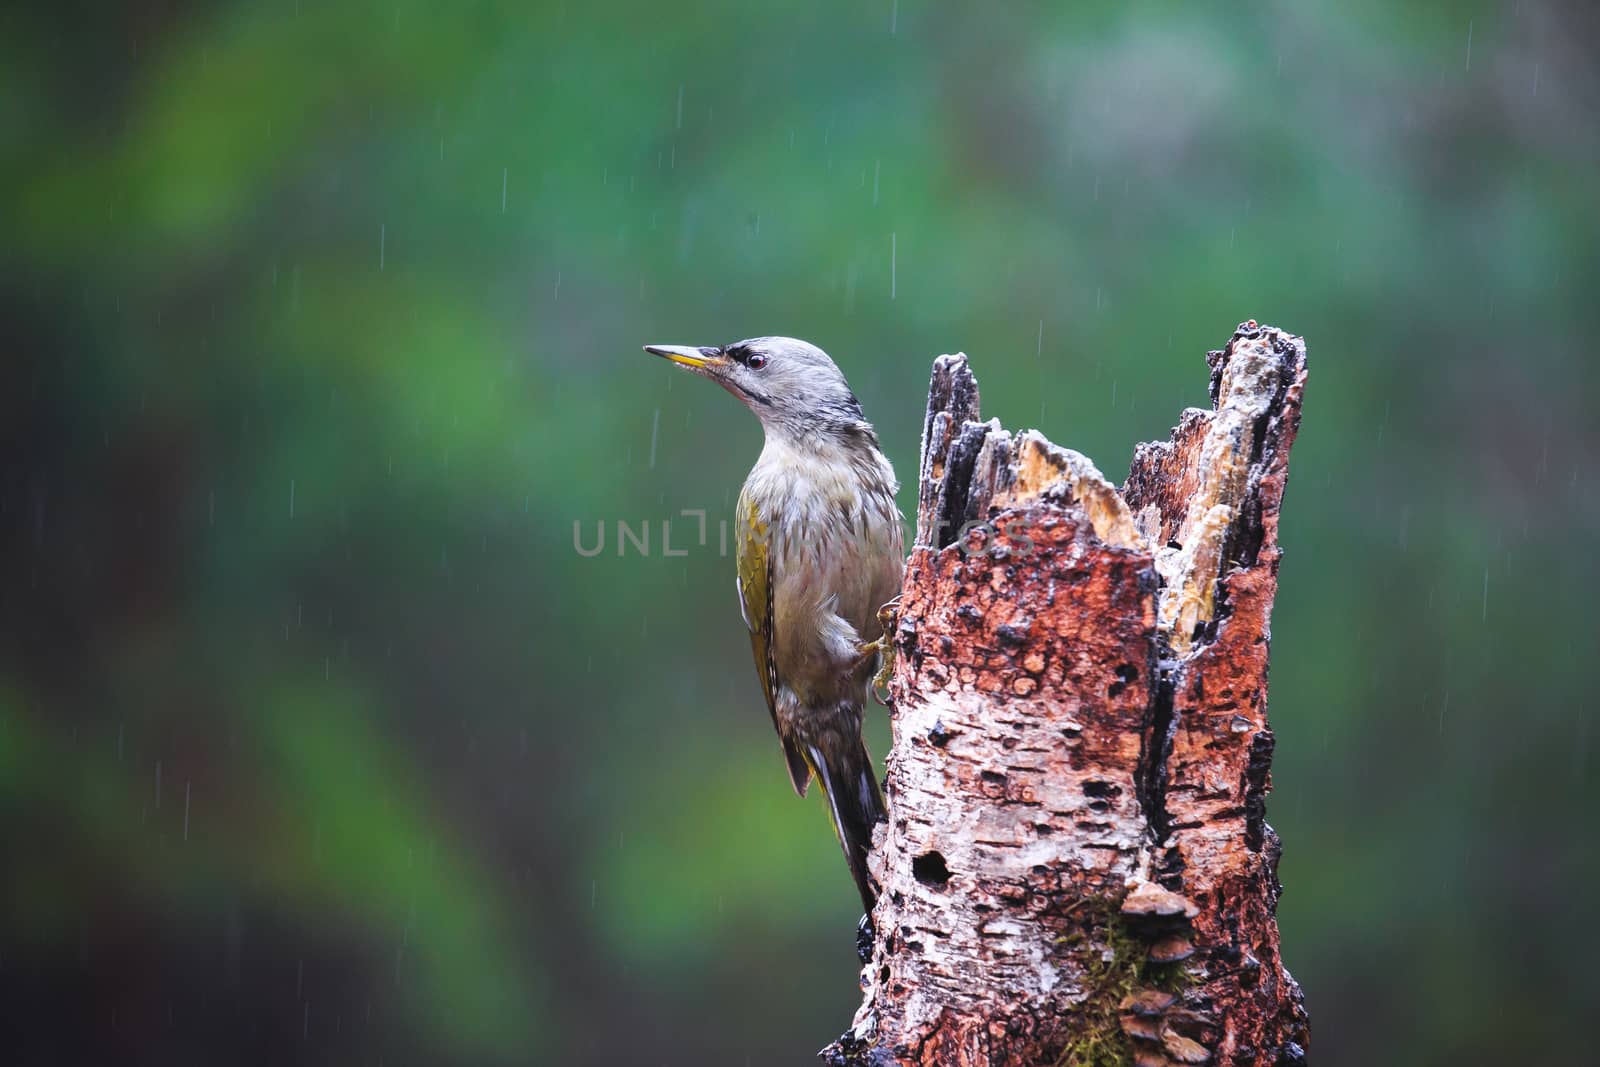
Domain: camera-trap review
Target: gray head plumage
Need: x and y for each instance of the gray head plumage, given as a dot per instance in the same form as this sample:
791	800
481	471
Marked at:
791	385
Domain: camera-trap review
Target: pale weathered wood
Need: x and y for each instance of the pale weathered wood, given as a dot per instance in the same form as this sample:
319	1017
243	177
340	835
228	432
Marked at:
1076	867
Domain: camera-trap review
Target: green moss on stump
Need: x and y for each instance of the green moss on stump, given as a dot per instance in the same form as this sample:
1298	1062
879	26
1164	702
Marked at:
1115	964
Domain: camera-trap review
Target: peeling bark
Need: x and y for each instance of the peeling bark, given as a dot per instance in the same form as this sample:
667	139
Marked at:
1076	867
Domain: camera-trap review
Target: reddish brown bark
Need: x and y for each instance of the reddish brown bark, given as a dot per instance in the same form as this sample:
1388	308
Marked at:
1076	867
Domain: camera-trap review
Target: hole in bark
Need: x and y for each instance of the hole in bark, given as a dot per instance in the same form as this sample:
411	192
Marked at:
1043	829
1012	634
1101	789
929	869
993	777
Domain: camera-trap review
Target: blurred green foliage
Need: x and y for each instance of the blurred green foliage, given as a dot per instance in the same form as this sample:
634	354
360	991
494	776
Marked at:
320	742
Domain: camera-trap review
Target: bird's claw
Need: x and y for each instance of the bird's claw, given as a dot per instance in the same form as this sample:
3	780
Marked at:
888	616
880	681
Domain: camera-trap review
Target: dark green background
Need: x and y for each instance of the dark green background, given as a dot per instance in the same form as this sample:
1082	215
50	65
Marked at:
320	743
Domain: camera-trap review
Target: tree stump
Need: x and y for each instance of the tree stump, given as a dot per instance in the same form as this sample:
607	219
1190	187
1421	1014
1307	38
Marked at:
1077	867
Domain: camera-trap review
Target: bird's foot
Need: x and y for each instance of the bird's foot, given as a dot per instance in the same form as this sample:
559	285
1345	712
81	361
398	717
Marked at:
865	936
880	681
888	618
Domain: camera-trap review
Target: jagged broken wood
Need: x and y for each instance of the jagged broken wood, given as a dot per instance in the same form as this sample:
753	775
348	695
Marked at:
1077	868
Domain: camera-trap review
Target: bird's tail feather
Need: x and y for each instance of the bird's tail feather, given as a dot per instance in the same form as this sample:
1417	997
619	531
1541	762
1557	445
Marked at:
855	804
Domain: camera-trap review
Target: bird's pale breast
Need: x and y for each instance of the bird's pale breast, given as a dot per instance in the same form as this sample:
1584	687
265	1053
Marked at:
834	540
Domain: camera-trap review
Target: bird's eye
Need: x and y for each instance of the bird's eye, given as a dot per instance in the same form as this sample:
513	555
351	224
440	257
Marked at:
756	361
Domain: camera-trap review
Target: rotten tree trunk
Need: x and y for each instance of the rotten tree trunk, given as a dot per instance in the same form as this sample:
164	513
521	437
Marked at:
1076	868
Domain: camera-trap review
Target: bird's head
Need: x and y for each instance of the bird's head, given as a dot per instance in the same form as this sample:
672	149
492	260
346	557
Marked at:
791	385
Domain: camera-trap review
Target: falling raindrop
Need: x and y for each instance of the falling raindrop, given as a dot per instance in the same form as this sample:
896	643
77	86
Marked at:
892	256
655	428
383	240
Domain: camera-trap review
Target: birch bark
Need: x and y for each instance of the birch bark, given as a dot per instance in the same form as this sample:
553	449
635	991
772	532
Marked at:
1077	867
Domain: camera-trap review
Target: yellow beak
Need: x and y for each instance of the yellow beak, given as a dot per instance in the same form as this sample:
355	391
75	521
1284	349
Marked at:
693	358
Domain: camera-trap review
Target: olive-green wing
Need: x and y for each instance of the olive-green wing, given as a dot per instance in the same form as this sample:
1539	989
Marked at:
755	604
